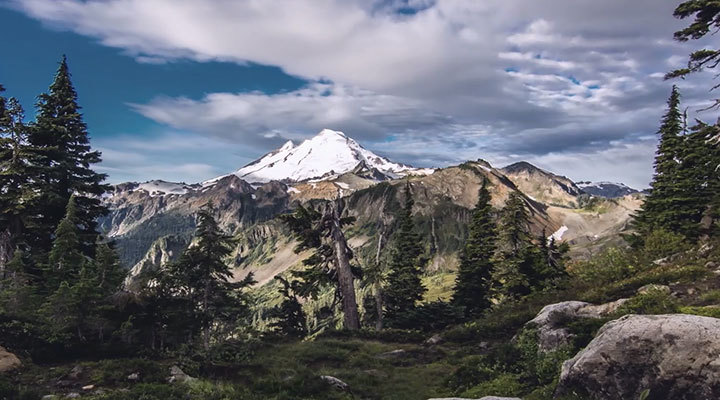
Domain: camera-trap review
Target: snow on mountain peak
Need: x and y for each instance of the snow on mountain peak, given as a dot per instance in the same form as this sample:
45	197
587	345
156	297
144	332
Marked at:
327	153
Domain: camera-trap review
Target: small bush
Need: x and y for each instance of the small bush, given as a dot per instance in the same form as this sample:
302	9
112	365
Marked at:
654	301
709	311
710	297
503	385
660	244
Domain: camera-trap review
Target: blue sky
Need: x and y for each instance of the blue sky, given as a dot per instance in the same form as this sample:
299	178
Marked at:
187	90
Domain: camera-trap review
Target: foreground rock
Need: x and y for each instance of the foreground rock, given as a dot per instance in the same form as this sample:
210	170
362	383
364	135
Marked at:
335	382
675	356
177	375
8	361
551	321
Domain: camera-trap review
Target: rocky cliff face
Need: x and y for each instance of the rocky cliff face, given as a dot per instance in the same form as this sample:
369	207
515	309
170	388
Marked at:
542	185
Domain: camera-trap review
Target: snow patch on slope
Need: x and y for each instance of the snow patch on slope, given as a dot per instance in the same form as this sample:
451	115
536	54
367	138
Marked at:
161	188
559	233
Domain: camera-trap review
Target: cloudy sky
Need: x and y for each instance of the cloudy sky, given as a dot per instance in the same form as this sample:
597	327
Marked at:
186	90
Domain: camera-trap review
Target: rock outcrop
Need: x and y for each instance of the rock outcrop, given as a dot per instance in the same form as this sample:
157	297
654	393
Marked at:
551	321
8	361
674	356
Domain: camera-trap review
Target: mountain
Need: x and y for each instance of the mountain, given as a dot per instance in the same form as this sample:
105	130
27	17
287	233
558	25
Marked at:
610	190
152	221
543	186
327	154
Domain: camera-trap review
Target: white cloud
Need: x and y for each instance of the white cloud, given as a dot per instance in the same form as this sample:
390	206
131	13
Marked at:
539	79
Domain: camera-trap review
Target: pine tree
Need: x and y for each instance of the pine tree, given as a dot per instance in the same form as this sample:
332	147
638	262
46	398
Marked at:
515	258
64	160
330	262
110	273
202	275
472	286
661	207
60	313
404	286
290	319
18	295
65	259
16	193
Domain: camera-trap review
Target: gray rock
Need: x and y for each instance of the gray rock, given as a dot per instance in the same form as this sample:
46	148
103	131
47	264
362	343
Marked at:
675	356
335	382
135	376
49	397
552	319
711	265
8	361
75	372
72	395
435	339
399	353
178	376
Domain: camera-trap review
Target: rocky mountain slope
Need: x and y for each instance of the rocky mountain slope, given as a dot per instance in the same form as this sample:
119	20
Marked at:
542	185
152	221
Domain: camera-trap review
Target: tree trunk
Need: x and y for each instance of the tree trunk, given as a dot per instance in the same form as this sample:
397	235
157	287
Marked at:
345	277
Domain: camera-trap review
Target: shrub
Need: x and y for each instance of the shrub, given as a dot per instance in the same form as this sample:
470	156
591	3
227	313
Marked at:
654	301
611	265
709	311
503	385
661	243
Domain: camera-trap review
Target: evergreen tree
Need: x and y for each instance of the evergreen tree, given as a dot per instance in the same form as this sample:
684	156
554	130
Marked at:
16	193
330	262
18	296
707	20
290	319
516	257
61	315
204	278
64	165
404	286
661	209
472	286
109	272
65	259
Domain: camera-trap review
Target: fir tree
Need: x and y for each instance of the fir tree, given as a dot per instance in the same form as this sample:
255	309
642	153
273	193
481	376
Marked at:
64	160
515	258
472	286
60	312
404	286
109	272
662	208
204	277
16	193
290	319
330	262
18	295
65	259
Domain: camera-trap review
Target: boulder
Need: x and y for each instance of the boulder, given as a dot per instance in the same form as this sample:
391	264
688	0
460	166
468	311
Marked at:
675	356
335	382
134	377
178	376
552	319
433	340
8	361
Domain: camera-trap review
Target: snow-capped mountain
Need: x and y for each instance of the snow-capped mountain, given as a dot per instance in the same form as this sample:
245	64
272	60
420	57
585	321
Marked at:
606	189
326	154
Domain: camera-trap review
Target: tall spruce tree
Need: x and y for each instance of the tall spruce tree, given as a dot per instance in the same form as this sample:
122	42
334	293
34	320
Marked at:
64	159
472	286
404	286
662	208
65	259
330	262
16	157
516	255
204	277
